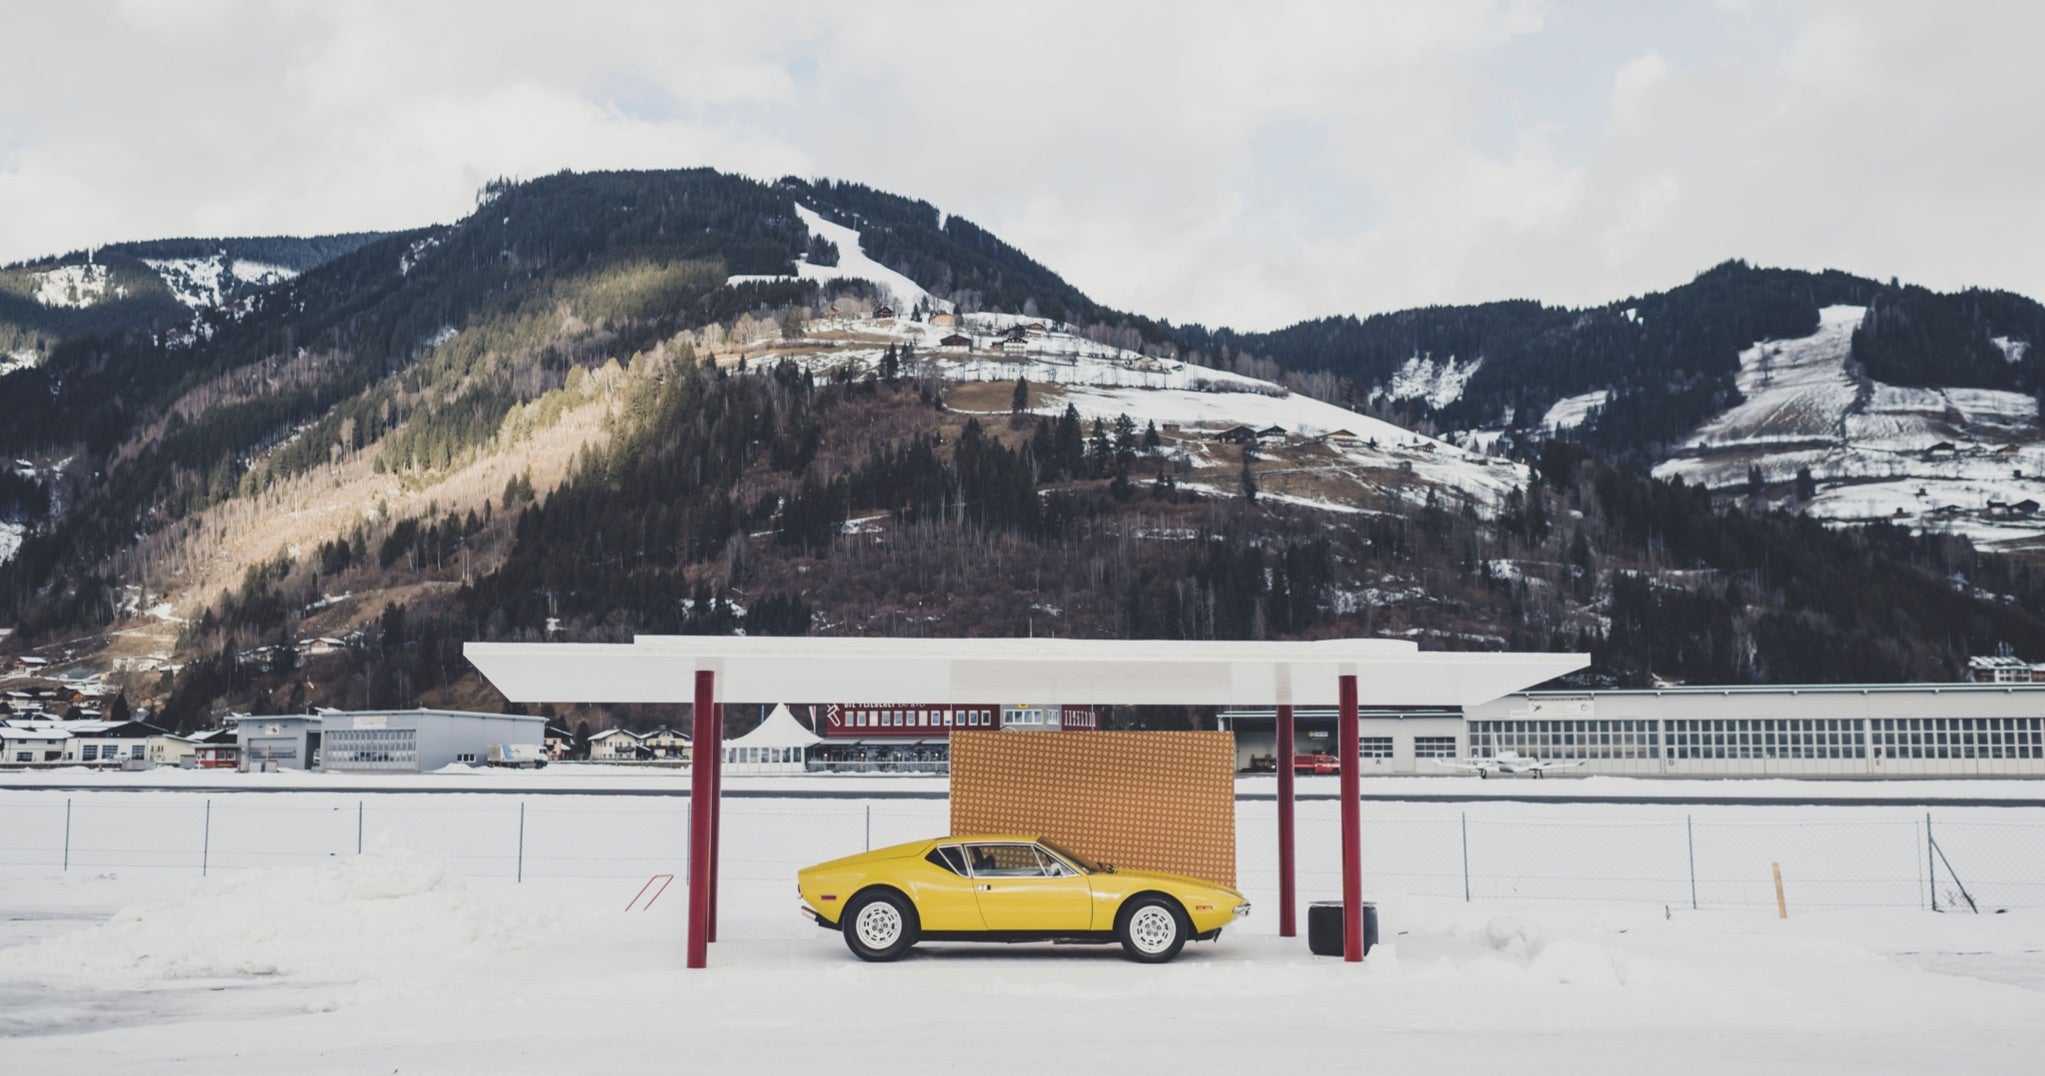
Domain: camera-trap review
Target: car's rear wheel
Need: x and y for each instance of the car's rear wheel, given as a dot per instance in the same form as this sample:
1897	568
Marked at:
879	925
1152	930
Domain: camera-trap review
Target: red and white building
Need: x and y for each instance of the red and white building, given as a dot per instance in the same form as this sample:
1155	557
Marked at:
917	736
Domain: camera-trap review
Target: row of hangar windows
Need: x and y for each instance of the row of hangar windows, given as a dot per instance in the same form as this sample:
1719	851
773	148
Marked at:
1805	738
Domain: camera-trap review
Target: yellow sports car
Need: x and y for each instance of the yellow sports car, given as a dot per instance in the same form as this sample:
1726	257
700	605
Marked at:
1008	888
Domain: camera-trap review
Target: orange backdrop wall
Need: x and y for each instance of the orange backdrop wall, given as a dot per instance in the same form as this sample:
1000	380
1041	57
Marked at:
1147	800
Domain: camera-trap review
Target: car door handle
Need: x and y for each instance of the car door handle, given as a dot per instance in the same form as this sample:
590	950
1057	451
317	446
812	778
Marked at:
986	889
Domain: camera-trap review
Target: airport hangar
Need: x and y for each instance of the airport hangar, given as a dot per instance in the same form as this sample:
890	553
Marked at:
1864	730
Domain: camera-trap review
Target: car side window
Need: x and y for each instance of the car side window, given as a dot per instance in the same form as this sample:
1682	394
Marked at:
947	856
1005	861
1052	866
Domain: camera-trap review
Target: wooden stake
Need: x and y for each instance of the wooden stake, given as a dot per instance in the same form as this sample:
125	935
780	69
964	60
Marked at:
1781	906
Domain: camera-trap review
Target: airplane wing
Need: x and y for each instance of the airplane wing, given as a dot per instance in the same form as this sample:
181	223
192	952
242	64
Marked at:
1457	764
1555	765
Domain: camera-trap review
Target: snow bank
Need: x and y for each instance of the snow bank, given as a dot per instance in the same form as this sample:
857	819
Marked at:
1572	411
11	535
398	903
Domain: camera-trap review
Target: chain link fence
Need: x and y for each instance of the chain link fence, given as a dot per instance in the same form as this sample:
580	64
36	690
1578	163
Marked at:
1841	858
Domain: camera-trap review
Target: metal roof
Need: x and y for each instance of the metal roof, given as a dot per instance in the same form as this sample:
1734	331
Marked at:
660	668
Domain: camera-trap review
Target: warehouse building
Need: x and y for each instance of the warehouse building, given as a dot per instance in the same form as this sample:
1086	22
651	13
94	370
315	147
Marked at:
1864	730
381	741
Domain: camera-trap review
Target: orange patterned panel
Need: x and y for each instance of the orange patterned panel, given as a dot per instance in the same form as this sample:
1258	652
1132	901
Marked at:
1160	801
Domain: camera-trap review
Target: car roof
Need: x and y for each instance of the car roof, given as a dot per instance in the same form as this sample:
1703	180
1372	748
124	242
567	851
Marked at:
1025	838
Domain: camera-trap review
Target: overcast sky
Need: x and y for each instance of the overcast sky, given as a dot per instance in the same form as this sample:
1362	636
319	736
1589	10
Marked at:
1242	164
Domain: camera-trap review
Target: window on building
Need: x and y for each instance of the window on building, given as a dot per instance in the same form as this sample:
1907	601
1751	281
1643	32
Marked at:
1374	747
135	751
1434	747
89	752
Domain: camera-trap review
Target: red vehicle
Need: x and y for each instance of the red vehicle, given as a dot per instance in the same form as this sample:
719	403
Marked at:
1318	763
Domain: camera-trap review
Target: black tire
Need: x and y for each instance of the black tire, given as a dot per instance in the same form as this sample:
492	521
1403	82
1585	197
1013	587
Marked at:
886	931
1152	929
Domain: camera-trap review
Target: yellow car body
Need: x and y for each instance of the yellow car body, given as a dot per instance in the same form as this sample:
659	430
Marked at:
1009	887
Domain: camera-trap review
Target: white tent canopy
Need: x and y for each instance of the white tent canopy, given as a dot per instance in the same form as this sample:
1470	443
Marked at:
779	730
661	669
779	745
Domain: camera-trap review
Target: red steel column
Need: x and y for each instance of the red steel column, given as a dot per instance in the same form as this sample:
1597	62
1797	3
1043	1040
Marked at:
1352	826
716	813
1287	896
702	819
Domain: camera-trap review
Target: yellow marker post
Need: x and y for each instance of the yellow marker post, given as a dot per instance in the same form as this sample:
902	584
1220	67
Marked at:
1781	906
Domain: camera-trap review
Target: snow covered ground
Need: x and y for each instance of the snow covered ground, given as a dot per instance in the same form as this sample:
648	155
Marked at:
424	955
1438	383
1573	411
74	285
201	283
1934	458
11	535
853	264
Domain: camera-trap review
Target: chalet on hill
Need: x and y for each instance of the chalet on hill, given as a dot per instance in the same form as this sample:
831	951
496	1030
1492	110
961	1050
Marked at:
1012	345
885	313
1237	435
955	342
1034	328
1271	433
1944	450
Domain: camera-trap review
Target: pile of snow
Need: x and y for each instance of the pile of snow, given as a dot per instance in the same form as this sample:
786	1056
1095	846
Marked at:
397	903
75	285
11	535
1420	377
853	264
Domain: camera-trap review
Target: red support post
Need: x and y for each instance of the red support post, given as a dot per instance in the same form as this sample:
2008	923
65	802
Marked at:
716	812
702	819
1352	826
1288	897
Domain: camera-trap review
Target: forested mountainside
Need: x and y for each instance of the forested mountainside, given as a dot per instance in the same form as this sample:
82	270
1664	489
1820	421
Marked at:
645	402
1666	360
153	286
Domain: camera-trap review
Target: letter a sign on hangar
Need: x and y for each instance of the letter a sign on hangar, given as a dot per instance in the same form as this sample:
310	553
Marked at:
711	670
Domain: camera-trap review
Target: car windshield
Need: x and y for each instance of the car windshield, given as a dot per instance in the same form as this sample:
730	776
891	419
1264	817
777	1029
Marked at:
1068	856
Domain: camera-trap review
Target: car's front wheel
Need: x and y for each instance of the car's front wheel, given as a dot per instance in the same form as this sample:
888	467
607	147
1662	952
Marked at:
1152	930
879	926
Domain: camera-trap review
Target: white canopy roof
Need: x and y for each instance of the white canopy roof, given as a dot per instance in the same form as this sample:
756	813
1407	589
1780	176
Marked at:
780	729
661	668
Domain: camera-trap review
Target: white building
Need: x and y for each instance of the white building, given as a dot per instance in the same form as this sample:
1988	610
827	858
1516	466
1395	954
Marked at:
614	745
1866	730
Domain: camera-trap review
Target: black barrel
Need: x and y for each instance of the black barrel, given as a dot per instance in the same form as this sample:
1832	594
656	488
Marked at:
1324	927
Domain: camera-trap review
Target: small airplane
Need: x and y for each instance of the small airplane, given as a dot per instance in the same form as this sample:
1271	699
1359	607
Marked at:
1506	762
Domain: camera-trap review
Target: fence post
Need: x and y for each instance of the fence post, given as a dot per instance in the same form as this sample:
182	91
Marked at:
67	834
1690	835
1930	864
1466	856
206	846
869	827
358	827
521	842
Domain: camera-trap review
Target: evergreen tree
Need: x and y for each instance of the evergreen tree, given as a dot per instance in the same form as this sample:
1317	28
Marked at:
1020	402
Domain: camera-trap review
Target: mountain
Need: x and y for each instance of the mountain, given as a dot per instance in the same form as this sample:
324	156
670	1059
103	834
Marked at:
1892	402
158	285
691	402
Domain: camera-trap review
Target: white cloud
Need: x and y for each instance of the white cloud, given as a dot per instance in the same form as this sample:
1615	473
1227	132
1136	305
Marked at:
1212	163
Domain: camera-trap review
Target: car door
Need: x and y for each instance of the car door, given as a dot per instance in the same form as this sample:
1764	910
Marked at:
945	896
1020	887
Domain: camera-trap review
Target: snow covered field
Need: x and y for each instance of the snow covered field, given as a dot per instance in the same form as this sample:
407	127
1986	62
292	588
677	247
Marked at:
425	955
